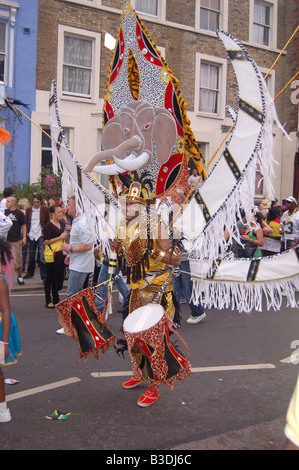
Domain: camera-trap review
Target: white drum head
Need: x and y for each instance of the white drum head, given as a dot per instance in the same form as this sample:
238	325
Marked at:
143	318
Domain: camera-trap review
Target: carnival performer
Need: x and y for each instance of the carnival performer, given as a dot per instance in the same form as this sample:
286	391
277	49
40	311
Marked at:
10	345
147	256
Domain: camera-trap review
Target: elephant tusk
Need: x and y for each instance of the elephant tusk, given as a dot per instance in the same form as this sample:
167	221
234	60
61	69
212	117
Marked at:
130	164
114	168
108	169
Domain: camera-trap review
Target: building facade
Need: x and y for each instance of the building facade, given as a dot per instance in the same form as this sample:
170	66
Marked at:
18	40
70	49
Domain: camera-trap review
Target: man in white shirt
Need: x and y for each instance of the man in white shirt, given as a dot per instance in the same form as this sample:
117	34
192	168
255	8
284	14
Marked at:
193	178
290	224
36	216
80	256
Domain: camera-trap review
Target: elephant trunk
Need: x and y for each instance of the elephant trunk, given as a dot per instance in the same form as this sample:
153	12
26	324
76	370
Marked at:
130	144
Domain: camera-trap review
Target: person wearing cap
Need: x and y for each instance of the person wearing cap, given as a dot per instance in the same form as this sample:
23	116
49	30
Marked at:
290	224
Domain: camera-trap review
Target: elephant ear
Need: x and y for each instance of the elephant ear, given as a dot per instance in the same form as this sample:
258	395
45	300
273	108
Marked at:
164	134
112	137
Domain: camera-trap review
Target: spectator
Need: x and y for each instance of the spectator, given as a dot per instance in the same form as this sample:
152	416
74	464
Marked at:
290	224
80	257
6	193
54	235
254	238
183	284
23	205
193	178
37	216
237	248
272	241
17	235
264	207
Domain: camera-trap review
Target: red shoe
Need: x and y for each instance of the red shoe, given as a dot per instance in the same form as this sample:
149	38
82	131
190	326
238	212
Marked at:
133	382
148	397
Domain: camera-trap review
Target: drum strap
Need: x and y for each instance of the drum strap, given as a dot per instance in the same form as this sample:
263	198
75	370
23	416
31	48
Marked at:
151	276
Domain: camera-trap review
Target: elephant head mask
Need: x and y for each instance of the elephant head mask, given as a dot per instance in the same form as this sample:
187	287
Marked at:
133	130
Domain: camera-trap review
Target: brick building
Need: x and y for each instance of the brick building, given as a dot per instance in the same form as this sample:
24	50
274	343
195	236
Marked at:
185	34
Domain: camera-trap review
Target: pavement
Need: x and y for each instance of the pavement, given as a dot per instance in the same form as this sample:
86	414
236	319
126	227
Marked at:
32	284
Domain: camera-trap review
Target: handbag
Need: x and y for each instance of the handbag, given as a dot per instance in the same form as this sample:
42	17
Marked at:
50	250
248	250
53	254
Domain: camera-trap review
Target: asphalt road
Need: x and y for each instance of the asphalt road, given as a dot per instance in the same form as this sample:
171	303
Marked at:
237	398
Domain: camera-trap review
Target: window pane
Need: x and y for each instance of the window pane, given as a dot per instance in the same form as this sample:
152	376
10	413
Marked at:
261	35
213	21
77	51
46	141
204	19
261	26
46	158
2	62
261	14
77	65
2	36
210	15
209	88
147	6
76	80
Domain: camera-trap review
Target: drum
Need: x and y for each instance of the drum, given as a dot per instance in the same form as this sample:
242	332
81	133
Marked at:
85	324
147	331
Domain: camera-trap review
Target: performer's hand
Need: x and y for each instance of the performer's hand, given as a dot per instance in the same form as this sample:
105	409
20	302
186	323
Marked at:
67	260
114	245
65	247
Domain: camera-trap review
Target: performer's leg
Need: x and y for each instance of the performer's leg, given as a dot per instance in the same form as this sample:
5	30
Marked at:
123	289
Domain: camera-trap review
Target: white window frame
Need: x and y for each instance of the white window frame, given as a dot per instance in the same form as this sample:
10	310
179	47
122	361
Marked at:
96	59
4	81
223	20
273	23
222	63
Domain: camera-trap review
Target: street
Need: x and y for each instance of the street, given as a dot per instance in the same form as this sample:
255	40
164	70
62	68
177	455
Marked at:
237	398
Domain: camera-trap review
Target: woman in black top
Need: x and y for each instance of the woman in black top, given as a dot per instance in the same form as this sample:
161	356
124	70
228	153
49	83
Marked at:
54	234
